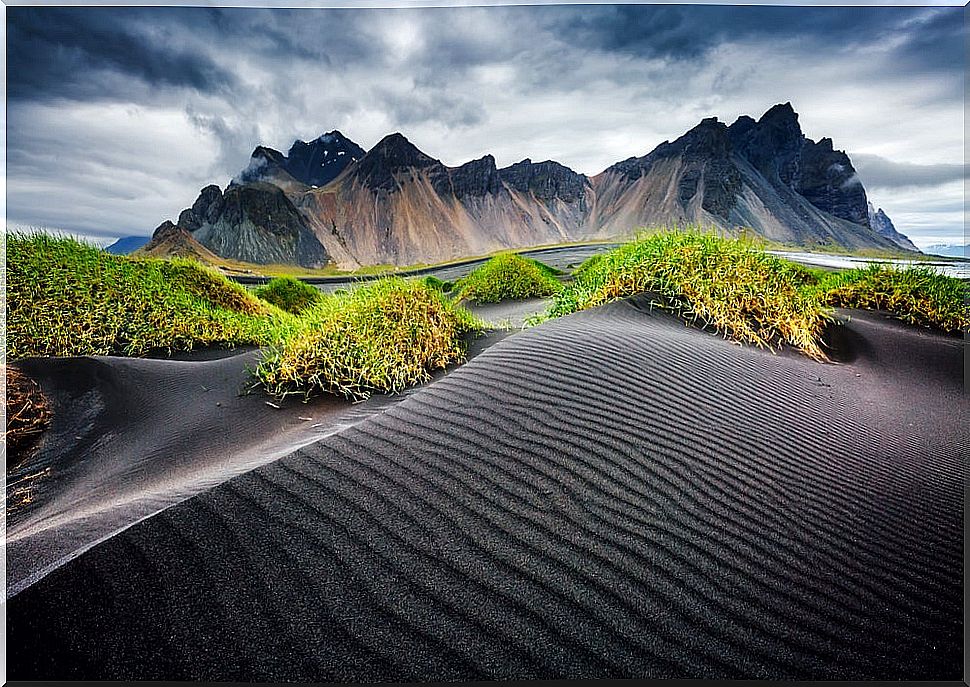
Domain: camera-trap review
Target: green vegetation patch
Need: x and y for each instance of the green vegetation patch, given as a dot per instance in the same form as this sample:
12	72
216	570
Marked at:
749	295
508	277
433	282
917	295
67	298
384	336
289	294
547	270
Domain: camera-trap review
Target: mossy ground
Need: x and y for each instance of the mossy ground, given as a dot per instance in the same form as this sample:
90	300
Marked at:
917	295
67	298
747	294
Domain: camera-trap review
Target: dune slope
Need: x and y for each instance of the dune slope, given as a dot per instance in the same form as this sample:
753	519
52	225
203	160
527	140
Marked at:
131	436
607	495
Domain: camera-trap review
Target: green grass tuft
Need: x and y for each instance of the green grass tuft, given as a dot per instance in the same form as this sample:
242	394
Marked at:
67	298
383	336
917	295
547	270
724	283
433	282
507	277
289	294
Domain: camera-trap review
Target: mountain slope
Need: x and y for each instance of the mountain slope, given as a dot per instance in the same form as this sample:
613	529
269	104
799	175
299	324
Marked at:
400	206
253	222
764	175
171	241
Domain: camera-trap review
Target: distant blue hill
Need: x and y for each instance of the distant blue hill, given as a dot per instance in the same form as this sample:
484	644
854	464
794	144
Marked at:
127	244
949	250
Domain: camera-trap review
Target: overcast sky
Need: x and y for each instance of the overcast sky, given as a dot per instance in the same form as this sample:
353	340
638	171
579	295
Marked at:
118	116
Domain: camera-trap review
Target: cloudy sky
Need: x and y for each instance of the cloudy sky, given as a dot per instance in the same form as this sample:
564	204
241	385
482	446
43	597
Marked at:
118	116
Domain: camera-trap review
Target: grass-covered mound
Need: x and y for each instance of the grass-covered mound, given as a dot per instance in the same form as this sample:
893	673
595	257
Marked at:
383	336
289	294
66	298
547	270
747	294
508	277
917	295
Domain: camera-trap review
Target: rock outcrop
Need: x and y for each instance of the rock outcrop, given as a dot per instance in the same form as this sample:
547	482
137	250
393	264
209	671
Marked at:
171	241
253	222
882	225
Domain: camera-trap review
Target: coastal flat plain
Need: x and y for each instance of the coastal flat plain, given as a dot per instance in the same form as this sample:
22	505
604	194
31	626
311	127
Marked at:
609	494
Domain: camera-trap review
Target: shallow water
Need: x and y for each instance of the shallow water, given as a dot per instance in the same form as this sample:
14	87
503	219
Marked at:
951	268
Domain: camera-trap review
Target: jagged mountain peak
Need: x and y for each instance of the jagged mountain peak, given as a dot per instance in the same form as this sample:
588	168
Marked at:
781	113
394	153
547	180
332	137
268	154
882	225
779	125
709	137
263	163
313	163
332	140
395	149
320	161
476	178
397	204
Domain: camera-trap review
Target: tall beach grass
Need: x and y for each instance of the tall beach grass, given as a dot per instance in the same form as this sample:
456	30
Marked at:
508	276
747	294
383	336
65	298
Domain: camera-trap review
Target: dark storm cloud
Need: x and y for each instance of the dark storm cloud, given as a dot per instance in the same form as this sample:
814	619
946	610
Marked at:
936	44
688	32
878	172
65	53
78	52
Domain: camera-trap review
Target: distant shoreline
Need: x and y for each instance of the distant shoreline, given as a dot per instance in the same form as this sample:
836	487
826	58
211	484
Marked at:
583	249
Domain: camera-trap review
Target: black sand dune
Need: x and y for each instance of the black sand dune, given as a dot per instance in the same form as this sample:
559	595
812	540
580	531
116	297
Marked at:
609	495
509	314
133	436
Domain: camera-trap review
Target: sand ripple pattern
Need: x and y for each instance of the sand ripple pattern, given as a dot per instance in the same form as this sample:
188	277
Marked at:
609	495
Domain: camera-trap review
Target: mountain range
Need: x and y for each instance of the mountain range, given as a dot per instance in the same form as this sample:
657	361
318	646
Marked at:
949	250
329	201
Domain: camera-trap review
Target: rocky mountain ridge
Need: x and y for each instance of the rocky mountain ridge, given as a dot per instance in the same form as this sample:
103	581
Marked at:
330	201
883	226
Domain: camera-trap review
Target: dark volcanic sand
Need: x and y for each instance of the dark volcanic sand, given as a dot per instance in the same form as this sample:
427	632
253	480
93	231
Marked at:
611	494
133	436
